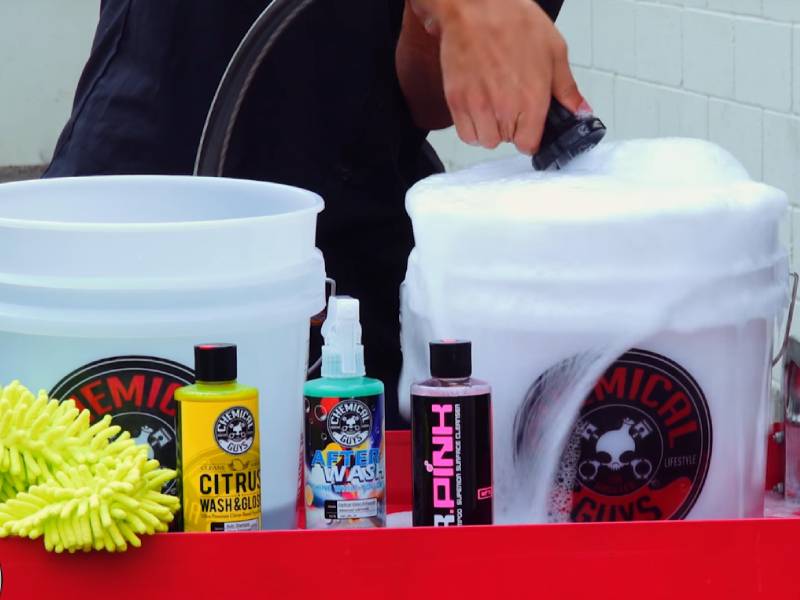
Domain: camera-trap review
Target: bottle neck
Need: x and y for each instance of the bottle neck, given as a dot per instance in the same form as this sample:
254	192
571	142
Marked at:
341	365
216	383
454	380
343	376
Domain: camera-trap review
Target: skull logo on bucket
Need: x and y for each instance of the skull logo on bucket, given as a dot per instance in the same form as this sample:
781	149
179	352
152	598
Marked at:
615	450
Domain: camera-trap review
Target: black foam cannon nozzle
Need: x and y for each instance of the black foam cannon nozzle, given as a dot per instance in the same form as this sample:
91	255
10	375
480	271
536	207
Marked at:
566	135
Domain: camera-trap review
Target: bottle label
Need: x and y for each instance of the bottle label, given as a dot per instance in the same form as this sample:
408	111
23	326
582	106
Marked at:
344	462
351	509
452	460
220	465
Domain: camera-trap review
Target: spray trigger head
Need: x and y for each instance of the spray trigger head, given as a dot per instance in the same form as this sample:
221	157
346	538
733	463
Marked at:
342	354
566	136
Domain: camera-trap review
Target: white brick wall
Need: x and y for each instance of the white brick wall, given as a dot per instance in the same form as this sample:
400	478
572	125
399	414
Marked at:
43	46
725	70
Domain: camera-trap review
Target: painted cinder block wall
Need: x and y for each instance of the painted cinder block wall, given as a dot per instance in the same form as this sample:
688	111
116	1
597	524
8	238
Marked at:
723	70
43	45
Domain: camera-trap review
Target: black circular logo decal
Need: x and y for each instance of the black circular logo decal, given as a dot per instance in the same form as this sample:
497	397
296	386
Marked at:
138	393
235	430
643	443
350	423
641	447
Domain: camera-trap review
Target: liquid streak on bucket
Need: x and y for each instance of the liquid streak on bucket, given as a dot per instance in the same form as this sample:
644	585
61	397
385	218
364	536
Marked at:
663	248
107	283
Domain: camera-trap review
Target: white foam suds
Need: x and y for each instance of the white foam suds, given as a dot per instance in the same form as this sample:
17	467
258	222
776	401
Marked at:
555	275
655	177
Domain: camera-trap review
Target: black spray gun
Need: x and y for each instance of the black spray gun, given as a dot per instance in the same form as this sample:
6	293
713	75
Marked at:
565	136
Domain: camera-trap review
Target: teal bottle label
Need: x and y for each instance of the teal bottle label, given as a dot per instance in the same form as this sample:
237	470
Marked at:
344	462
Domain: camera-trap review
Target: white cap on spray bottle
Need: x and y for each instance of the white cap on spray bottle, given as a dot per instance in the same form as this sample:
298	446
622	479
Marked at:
342	354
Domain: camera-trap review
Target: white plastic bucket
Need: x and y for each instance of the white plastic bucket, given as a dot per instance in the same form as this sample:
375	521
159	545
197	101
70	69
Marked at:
107	283
555	276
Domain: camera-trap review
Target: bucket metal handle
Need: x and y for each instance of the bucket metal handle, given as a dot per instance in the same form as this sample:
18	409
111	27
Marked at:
789	319
233	87
236	81
330	282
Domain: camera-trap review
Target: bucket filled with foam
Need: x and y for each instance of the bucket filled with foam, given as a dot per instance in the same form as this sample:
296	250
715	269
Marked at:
624	311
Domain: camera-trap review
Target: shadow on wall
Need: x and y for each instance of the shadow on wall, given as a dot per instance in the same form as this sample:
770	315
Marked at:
20	173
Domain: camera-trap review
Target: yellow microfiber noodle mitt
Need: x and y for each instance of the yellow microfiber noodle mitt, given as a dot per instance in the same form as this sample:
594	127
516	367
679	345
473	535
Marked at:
61	477
38	434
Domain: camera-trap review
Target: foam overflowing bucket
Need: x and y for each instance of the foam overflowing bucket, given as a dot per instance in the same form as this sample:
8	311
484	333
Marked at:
624	311
107	283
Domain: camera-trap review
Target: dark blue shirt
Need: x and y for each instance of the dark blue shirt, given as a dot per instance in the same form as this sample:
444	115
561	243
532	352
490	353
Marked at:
325	112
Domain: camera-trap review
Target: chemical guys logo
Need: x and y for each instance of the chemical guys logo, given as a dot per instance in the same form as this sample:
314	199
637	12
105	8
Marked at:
138	392
350	423
235	430
643	443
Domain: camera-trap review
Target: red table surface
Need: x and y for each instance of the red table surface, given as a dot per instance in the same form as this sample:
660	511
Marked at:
739	559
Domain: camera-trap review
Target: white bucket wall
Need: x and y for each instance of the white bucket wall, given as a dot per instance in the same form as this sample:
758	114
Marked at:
609	260
711	356
106	267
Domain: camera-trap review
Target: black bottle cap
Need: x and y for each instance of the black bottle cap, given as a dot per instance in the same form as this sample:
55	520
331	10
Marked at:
566	136
215	362
451	359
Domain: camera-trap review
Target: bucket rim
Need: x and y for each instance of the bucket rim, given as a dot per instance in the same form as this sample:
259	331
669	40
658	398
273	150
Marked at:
315	205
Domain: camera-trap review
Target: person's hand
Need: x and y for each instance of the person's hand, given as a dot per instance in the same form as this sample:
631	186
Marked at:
502	62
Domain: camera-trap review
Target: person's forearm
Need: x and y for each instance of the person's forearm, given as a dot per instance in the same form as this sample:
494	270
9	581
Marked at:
432	13
420	73
502	62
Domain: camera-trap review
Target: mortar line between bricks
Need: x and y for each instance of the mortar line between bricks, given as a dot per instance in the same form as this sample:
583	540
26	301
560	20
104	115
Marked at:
760	16
709	96
591	34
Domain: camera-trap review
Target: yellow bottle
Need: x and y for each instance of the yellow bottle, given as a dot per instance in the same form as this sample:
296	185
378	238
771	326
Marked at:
219	468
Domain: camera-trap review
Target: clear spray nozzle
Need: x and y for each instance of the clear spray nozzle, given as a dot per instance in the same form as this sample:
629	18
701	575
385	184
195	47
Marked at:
342	354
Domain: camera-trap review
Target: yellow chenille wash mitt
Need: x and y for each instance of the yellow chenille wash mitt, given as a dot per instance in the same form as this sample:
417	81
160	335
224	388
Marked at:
62	478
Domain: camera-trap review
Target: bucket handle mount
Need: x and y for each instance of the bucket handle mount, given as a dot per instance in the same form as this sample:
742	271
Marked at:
789	319
331	285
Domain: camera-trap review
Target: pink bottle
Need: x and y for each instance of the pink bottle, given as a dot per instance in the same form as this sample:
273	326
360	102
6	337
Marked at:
451	422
